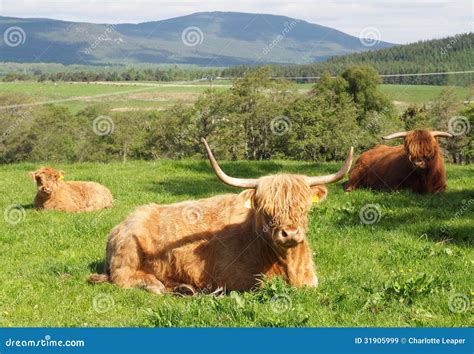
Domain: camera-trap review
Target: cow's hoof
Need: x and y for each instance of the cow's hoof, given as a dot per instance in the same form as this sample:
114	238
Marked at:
185	290
347	188
155	289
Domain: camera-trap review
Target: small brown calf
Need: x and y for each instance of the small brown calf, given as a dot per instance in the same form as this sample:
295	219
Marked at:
55	193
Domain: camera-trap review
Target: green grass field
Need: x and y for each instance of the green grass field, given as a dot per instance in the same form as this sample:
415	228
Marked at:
148	96
421	93
76	96
412	267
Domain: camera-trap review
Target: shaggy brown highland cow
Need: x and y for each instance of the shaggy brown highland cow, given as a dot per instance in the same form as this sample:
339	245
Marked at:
54	193
416	165
228	241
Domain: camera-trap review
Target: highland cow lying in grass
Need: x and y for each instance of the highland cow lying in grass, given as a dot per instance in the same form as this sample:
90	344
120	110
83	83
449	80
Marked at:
227	241
55	193
416	165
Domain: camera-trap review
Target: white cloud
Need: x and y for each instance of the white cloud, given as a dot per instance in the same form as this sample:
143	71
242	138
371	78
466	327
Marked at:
398	21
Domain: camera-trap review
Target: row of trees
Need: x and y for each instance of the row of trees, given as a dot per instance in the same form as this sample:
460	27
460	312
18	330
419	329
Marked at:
122	74
258	118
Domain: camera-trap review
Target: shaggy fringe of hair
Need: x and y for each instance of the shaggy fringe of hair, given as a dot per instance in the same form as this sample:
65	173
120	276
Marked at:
284	197
420	144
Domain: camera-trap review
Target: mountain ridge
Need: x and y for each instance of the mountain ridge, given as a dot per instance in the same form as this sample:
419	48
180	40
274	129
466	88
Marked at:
213	39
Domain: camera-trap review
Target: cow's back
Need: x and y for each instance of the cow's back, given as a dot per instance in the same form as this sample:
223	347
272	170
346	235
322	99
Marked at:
76	196
87	196
383	167
169	239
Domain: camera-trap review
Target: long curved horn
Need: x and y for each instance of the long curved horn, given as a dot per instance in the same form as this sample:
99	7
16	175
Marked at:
231	181
395	135
318	180
436	133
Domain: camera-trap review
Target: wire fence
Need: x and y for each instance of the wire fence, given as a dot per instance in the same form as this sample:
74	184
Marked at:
308	78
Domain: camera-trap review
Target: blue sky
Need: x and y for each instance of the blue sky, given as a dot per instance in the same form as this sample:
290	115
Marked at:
400	21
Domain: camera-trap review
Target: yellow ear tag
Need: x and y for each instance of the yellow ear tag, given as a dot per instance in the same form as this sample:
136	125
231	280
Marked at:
61	178
248	203
315	199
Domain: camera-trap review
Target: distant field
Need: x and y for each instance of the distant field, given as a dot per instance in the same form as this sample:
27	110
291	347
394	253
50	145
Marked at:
421	93
155	96
116	95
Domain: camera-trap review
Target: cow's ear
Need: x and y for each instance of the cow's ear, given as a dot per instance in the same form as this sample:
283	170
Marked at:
32	175
246	197
319	193
61	175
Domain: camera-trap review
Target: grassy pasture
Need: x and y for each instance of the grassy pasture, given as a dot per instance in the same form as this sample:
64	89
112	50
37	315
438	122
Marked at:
115	95
405	269
421	93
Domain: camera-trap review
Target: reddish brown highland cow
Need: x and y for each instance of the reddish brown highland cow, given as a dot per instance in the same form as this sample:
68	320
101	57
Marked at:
54	193
228	241
416	165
